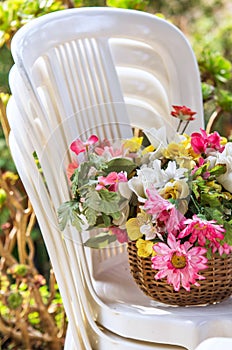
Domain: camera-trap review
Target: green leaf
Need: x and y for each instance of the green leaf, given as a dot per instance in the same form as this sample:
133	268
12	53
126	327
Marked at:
103	201
106	220
129	4
209	254
211	199
214	214
65	213
33	318
80	176
201	170
14	300
196	187
224	100
120	164
218	170
116	215
76	220
228	235
98	161
101	240
69	212
91	216
216	65
207	90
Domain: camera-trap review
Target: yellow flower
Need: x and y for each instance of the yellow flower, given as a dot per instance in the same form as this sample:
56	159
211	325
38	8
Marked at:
174	150
148	149
186	162
177	190
144	248
182	153
143	218
174	190
134	144
133	225
188	147
133	229
182	149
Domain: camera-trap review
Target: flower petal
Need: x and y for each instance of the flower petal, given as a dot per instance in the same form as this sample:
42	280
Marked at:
92	139
77	146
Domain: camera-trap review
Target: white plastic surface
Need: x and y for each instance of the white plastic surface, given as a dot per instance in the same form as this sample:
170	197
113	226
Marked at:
110	341
88	335
73	90
68	55
216	344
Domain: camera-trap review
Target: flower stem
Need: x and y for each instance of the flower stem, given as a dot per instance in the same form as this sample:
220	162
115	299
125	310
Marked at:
196	204
179	125
185	127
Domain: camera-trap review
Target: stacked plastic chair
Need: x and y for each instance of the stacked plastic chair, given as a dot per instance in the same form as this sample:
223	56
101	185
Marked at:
102	71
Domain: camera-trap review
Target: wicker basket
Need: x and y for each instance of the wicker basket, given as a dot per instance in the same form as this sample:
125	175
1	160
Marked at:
215	288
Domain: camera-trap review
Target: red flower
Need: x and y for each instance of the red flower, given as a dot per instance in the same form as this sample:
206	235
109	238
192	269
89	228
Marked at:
183	113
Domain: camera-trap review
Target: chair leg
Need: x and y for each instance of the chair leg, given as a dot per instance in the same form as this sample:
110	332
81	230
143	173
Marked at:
69	343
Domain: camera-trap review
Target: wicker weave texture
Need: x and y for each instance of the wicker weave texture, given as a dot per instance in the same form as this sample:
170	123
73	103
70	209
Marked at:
216	287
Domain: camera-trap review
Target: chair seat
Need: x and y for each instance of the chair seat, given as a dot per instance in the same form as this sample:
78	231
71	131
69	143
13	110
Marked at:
187	326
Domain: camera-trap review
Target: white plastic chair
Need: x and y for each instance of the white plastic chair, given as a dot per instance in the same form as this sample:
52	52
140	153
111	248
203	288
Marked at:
87	334
64	94
26	162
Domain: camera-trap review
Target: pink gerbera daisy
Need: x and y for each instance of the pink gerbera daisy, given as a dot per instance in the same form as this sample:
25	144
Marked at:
201	230
179	263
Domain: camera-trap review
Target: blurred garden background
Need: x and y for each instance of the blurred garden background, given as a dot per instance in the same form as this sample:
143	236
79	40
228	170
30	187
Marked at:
28	290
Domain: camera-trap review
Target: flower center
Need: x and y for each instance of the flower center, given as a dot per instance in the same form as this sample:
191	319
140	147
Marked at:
200	228
178	261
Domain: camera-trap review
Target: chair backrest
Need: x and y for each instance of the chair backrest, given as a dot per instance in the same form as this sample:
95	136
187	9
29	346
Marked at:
70	60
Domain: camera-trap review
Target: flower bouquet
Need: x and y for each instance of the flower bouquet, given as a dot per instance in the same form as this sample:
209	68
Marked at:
170	200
